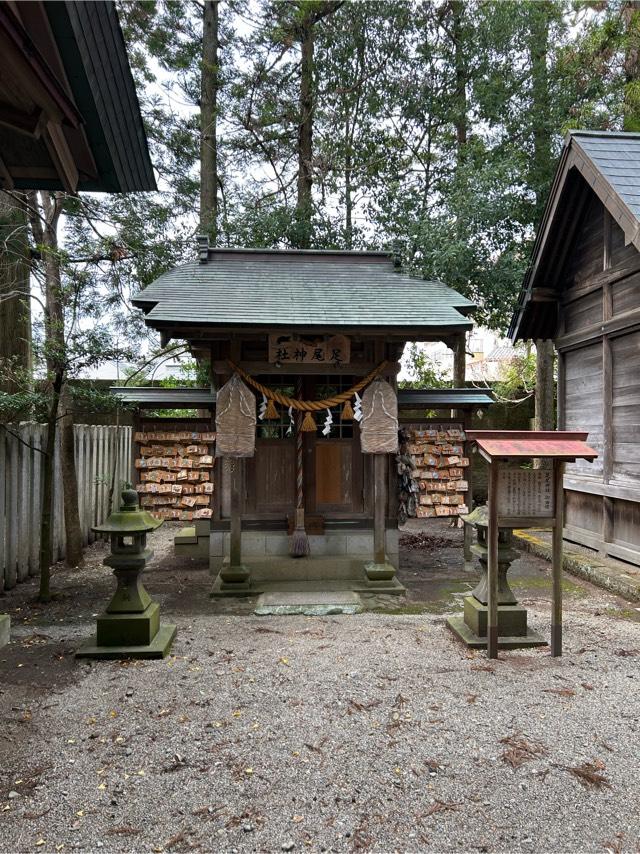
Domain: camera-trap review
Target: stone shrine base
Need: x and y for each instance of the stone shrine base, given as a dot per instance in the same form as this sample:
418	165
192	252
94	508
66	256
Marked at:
283	573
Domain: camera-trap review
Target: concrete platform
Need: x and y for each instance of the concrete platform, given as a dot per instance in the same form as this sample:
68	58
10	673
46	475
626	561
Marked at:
309	602
616	576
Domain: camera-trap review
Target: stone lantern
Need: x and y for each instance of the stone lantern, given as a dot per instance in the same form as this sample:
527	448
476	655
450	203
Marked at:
513	632
130	626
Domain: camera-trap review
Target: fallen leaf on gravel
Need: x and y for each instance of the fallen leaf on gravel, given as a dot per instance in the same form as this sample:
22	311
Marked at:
443	806
614	846
589	774
626	652
487	667
471	698
520	750
561	692
102	786
284	660
587	686
41	842
125	830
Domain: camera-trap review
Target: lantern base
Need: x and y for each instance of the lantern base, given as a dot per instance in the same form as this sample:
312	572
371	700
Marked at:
513	632
460	628
158	648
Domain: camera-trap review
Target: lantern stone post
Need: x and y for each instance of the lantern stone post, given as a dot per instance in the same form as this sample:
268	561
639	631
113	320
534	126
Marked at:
130	626
511	618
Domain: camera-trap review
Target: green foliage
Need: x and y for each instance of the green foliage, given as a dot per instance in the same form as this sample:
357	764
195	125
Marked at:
423	372
518	377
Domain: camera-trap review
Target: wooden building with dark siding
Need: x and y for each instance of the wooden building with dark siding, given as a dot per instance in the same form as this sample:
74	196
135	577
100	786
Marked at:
69	113
583	290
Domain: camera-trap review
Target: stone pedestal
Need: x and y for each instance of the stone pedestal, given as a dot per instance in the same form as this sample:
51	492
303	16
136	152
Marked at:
232	580
471	627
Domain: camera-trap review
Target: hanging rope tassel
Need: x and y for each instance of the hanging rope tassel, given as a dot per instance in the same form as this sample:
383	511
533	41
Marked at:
308	424
271	412
347	411
299	545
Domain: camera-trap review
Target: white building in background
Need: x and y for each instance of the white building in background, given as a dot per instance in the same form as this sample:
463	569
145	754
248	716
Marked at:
487	354
117	372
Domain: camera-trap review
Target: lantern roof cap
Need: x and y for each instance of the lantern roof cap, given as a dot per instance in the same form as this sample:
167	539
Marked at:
129	519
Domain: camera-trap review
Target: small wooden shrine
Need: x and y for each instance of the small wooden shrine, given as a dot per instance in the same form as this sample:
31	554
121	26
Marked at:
304	348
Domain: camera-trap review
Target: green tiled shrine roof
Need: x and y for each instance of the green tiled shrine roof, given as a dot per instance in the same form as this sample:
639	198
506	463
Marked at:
300	288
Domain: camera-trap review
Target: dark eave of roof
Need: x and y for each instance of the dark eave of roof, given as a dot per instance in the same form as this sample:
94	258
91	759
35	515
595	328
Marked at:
69	114
95	58
158	396
445	398
204	398
607	163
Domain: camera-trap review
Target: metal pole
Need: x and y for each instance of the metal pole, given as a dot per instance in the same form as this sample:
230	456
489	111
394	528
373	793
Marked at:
492	568
556	602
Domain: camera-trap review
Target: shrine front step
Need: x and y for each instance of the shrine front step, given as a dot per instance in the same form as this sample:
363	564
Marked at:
305	574
310	603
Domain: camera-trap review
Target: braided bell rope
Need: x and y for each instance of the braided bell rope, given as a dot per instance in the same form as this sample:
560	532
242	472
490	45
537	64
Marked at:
308	405
299	454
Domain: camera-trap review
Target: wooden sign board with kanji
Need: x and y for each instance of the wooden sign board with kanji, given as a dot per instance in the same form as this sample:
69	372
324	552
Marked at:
525	493
298	350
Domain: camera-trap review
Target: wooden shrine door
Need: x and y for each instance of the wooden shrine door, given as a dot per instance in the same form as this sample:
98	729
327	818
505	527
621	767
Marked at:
334	464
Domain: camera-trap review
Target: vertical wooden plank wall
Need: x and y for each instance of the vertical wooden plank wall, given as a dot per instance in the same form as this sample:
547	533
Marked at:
103	457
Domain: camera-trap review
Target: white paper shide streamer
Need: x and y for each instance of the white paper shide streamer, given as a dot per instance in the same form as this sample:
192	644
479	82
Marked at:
291	422
263	408
357	408
327	424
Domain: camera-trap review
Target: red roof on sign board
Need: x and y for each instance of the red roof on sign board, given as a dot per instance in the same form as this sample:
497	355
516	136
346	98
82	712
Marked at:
524	444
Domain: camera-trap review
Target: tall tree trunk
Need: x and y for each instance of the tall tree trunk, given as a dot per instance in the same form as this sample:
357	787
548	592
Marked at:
348	192
542	164
305	133
15	311
48	488
544	395
539	177
544	414
73	531
208	122
461	75
45	214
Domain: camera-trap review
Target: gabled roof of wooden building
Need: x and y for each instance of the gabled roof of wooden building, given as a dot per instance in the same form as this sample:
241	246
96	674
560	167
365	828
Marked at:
69	113
312	290
602	162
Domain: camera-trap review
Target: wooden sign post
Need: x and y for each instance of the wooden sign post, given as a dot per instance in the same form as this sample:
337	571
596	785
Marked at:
521	498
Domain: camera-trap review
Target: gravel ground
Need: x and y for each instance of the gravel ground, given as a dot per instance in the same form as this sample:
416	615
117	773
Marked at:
378	732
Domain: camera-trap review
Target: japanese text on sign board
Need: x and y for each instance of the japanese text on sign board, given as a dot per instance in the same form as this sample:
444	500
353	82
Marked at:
288	350
525	493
